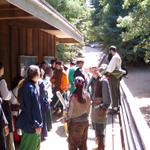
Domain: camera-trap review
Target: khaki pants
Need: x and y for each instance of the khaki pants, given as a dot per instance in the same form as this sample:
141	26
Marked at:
115	90
78	135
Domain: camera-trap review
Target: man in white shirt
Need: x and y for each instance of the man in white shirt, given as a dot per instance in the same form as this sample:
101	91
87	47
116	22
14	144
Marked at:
114	64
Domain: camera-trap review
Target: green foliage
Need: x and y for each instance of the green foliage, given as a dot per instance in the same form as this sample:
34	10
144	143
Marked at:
126	24
106	16
67	52
136	25
76	12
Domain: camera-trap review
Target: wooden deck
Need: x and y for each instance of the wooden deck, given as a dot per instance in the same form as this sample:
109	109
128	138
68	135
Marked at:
57	138
123	131
113	139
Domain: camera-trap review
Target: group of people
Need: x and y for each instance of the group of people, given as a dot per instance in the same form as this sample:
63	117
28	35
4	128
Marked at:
97	93
25	111
33	99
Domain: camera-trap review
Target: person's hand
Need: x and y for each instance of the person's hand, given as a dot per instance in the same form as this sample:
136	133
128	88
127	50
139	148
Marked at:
6	130
49	100
102	111
38	131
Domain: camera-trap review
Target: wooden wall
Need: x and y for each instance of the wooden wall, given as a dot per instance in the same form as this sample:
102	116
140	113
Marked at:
4	48
16	41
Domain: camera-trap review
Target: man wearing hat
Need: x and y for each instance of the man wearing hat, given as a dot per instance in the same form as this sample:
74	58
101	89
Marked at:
114	66
79	70
76	70
101	99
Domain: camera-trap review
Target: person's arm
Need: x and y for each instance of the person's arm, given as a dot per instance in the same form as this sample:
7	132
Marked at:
36	111
4	121
88	89
14	97
5	93
106	94
112	65
64	82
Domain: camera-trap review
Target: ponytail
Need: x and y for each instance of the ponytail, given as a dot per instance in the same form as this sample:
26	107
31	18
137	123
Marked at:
79	94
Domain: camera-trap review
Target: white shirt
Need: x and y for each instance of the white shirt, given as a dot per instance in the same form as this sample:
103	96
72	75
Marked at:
5	93
48	87
114	64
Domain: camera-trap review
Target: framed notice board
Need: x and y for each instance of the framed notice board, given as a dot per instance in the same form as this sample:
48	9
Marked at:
48	59
25	62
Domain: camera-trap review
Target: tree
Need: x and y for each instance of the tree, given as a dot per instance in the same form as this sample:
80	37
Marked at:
67	52
136	26
124	23
76	12
106	22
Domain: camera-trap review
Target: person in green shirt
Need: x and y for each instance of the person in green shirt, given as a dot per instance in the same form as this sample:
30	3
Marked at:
72	70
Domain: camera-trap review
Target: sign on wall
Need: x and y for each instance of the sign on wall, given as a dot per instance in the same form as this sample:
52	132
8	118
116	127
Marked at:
25	62
48	59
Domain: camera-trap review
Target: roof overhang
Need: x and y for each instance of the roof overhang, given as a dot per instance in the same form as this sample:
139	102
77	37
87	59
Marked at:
43	11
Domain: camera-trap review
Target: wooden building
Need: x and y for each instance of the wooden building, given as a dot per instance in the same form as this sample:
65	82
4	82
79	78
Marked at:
31	28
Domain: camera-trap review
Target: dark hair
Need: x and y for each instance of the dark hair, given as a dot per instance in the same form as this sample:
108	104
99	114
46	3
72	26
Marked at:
58	62
109	57
43	63
53	61
65	67
48	70
1	65
42	73
72	62
79	84
32	71
79	62
113	48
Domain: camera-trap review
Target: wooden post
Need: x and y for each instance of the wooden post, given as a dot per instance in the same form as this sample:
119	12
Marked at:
35	41
23	41
29	42
14	51
40	55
